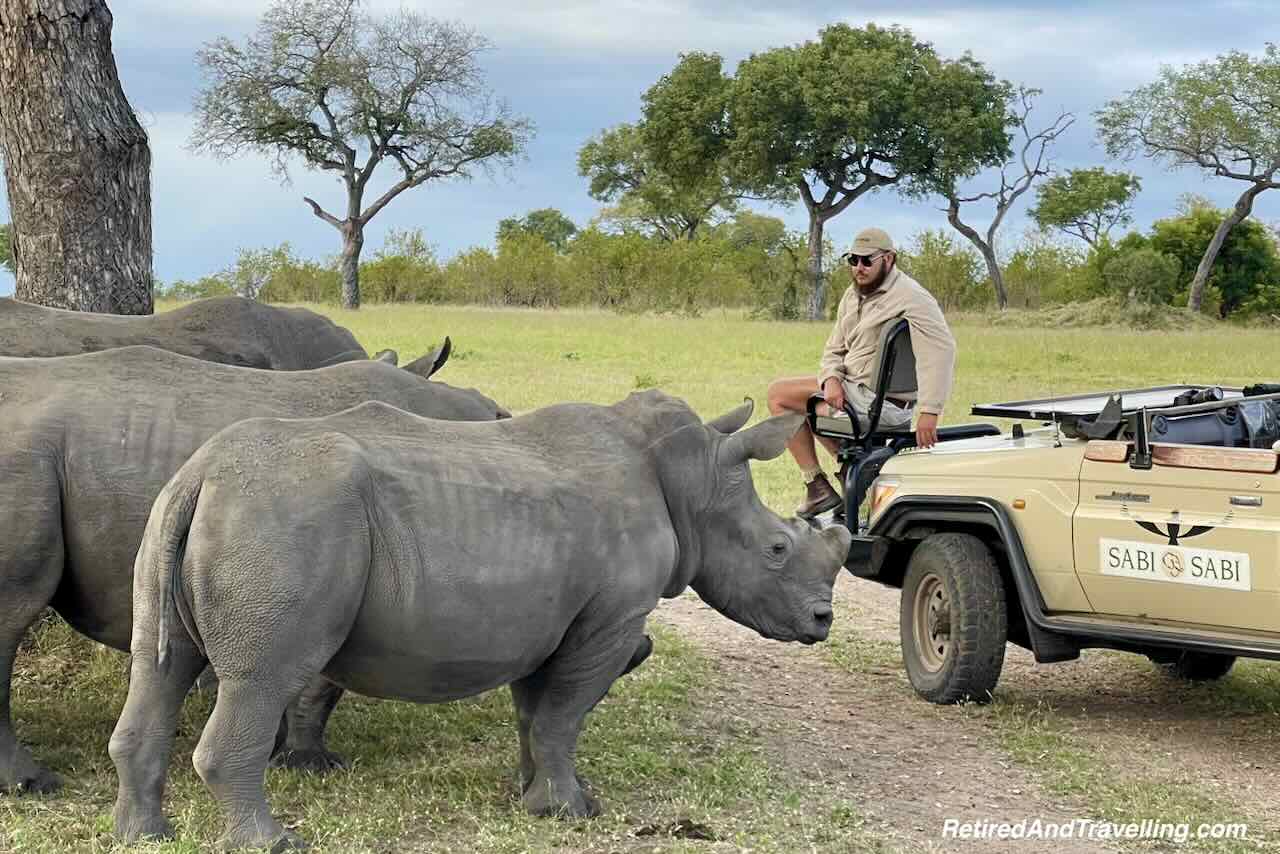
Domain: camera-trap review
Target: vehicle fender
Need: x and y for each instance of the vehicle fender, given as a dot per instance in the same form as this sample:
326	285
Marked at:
907	515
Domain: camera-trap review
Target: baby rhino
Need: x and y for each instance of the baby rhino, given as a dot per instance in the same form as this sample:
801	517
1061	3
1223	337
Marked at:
425	560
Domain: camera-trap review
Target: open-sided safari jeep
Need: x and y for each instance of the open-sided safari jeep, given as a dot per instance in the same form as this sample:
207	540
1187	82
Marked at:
1145	520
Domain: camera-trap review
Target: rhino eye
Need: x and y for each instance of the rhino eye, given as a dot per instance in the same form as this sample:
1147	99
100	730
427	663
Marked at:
778	548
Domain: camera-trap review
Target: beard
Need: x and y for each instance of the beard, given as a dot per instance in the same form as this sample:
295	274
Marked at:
872	284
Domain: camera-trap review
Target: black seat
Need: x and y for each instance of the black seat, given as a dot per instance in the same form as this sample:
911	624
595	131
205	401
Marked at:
894	370
863	448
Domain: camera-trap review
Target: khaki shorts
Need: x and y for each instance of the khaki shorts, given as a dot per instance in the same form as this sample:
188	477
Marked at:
860	397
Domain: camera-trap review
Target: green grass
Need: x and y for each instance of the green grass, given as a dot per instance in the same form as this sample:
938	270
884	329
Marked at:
525	359
437	778
432	778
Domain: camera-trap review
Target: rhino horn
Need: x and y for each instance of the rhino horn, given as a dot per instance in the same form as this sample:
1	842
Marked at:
764	441
732	421
432	362
391	357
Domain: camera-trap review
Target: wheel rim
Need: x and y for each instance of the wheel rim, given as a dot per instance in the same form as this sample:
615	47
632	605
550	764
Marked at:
932	622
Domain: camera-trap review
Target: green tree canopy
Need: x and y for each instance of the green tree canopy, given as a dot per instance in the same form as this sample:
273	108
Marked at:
1247	260
668	173
1086	203
548	224
857	110
343	91
1221	116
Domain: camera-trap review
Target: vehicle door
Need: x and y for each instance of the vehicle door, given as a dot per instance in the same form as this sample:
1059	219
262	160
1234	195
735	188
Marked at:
1195	538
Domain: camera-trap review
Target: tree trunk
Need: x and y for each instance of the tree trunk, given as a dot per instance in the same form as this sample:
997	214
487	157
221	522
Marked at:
352	243
984	247
1243	207
77	164
997	277
817	281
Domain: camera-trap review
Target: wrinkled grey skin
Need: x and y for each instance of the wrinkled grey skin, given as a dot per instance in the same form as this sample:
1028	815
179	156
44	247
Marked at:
429	561
86	444
228	330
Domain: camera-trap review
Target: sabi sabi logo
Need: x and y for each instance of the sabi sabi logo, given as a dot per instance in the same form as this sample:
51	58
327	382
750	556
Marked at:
1173	528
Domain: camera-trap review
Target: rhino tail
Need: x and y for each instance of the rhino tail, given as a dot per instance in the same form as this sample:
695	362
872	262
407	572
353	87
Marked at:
163	549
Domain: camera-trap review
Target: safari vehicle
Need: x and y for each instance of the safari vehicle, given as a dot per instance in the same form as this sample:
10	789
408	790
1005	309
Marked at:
1144	520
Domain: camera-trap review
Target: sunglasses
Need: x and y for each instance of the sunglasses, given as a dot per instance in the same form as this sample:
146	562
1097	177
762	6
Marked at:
863	260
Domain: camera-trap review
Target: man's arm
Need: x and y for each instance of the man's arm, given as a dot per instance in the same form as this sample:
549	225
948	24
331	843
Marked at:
935	351
834	351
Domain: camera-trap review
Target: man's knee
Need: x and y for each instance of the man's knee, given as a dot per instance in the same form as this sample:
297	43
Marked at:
788	395
775	396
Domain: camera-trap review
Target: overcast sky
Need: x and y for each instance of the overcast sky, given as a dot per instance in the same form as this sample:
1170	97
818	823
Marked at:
574	68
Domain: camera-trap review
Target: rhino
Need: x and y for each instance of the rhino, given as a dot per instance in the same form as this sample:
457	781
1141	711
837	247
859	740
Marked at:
407	558
229	330
86	444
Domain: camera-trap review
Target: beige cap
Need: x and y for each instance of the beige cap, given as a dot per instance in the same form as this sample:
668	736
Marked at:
871	240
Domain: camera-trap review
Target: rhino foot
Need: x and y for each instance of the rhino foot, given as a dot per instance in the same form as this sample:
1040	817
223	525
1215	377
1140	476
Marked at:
314	760
542	799
276	843
26	776
131	828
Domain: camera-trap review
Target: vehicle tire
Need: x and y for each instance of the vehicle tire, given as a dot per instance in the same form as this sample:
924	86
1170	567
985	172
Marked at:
1198	666
953	620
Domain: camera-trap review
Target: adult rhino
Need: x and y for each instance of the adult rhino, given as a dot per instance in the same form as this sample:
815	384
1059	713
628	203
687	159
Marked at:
419	560
229	330
86	444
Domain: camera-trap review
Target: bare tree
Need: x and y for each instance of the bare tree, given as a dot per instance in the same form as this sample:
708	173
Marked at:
1016	177
76	161
345	92
1222	116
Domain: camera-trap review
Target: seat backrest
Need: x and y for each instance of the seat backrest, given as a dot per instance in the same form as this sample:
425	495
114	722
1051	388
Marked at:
895	338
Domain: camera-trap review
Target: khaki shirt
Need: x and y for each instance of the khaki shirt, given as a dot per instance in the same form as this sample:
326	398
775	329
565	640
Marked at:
851	349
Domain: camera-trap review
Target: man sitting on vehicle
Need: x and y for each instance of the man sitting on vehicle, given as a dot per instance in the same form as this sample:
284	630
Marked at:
880	293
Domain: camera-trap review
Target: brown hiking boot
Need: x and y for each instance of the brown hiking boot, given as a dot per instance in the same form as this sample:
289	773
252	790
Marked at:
819	497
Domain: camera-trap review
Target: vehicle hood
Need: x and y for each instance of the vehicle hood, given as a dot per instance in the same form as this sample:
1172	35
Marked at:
1039	453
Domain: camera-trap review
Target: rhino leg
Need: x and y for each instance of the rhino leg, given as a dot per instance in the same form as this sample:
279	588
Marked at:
308	715
143	737
275	652
232	759
551	706
31	566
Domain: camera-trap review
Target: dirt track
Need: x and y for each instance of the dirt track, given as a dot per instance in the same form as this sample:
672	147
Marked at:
865	739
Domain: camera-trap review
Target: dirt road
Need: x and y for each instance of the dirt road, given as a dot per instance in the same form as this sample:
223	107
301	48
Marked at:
861	736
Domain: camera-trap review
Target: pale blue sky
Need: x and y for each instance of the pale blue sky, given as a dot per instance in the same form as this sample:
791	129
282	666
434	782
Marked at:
574	68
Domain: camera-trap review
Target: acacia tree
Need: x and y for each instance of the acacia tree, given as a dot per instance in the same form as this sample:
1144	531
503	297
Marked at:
345	92
669	172
1222	116
1016	177
547	224
857	110
621	169
76	162
1086	203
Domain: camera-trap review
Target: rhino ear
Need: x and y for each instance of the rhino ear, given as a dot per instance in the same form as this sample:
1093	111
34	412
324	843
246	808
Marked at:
432	362
764	441
391	357
732	421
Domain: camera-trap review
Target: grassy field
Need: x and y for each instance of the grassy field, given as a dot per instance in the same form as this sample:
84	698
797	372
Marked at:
437	778
528	359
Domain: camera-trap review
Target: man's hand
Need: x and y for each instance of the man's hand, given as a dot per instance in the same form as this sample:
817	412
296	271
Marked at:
926	430
833	394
